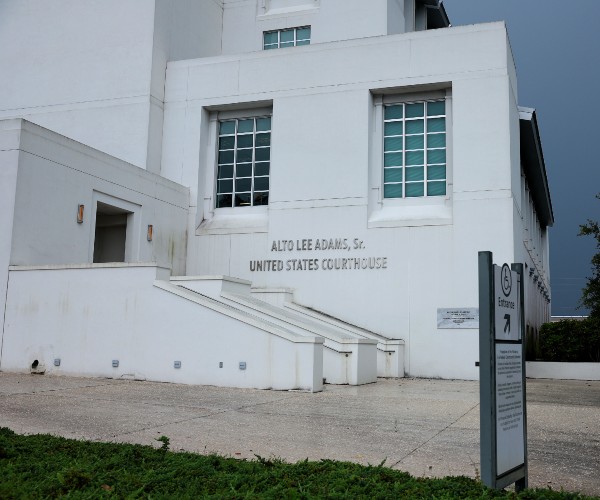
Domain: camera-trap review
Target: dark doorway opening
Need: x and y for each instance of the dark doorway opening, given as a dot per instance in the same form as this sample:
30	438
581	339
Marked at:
111	233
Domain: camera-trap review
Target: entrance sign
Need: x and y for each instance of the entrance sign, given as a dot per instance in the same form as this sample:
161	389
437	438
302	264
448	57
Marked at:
508	324
503	412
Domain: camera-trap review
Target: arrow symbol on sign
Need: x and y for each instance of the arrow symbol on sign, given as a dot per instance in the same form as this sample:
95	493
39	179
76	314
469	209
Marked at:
507	325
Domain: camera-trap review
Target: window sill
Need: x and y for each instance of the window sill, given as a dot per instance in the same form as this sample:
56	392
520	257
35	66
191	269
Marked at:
406	213
236	221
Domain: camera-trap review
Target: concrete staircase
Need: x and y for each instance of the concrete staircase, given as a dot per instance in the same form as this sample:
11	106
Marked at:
351	355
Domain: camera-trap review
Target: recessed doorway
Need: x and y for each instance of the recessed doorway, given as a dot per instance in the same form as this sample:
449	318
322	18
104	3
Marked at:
110	234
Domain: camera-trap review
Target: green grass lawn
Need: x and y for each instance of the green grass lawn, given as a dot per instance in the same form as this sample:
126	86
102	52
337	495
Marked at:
44	466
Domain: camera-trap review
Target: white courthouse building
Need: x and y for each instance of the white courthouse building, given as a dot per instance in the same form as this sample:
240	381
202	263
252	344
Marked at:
259	193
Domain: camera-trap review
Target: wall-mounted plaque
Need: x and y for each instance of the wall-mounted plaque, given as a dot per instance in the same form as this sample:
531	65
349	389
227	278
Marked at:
458	317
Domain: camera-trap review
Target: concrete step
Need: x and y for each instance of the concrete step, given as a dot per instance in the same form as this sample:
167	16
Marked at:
351	355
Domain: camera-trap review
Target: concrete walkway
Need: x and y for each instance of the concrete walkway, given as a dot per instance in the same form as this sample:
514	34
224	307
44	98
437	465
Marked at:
425	427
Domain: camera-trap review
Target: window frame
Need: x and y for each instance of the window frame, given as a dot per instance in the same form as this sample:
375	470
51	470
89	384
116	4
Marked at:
407	211
295	42
215	117
424	182
235	180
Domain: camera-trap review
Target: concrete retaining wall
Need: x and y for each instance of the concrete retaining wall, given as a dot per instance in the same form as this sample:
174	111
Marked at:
110	321
569	371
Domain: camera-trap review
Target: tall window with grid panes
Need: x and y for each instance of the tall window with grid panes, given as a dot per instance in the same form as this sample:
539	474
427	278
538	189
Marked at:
414	149
243	162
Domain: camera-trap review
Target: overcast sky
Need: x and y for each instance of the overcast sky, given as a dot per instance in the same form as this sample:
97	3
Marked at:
556	46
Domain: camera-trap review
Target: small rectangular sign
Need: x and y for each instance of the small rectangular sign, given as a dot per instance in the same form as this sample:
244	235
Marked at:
506	302
458	317
510	448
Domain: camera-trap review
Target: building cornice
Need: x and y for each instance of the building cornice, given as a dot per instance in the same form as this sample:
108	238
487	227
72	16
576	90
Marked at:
532	160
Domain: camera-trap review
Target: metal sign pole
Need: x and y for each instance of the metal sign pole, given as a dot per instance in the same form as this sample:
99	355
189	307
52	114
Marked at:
522	483
487	397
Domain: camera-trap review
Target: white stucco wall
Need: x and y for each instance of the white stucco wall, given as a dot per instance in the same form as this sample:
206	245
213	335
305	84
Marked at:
322	175
92	83
10	134
330	20
101	81
88	316
56	174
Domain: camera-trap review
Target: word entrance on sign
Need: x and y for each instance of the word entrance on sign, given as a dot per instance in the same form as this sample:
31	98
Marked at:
509	304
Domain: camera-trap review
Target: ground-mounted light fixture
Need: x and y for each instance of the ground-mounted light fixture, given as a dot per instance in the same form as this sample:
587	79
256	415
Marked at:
150	232
80	209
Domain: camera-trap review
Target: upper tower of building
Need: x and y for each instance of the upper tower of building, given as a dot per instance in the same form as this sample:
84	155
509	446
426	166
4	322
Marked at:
250	25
